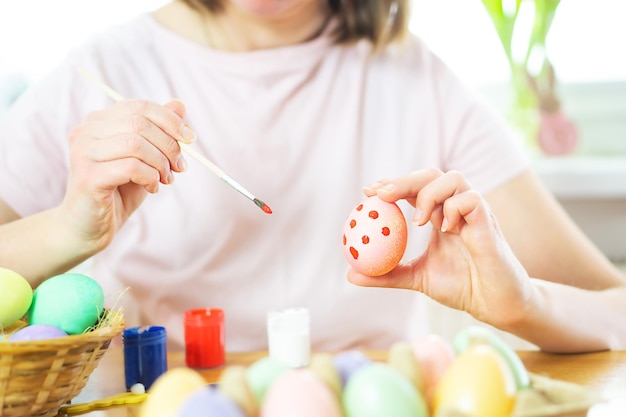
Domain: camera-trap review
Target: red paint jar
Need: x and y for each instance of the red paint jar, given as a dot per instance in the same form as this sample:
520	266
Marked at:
204	338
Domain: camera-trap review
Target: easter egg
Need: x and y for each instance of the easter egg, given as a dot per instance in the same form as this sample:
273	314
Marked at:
322	364
16	296
402	359
300	392
37	332
208	402
477	384
234	385
378	390
73	302
348	362
374	236
477	334
170	391
434	354
262	373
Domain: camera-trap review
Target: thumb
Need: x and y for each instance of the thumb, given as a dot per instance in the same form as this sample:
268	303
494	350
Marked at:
406	275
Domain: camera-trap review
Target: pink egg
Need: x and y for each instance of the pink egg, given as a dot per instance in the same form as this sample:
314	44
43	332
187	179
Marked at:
374	237
300	392
434	355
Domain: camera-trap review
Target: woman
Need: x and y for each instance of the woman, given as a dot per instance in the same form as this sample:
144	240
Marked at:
303	102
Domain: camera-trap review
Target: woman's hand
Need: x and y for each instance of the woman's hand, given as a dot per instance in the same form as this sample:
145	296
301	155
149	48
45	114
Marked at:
117	156
468	264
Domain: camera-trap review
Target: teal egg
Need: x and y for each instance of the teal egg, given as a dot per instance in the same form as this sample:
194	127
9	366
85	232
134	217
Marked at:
72	302
378	390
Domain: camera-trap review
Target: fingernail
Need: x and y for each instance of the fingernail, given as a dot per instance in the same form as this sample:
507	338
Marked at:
444	225
417	217
188	134
170	177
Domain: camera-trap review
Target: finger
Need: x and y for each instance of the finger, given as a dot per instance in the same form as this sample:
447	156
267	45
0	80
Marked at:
436	193
124	146
177	107
166	117
103	125
404	275
471	209
405	187
113	174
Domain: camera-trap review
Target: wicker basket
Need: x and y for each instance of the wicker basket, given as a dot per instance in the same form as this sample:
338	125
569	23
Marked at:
38	377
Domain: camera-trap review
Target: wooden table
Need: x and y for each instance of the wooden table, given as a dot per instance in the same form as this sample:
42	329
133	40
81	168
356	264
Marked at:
603	372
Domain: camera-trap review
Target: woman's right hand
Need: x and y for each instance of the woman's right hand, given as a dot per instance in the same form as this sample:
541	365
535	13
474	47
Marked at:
117	156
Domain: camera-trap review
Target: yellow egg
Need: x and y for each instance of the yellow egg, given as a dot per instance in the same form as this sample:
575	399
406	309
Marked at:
234	384
477	384
16	296
169	392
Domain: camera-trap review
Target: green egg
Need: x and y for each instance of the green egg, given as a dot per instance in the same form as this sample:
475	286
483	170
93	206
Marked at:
378	390
262	373
73	302
15	297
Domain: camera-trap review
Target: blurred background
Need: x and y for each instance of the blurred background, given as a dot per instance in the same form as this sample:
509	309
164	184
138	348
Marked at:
583	42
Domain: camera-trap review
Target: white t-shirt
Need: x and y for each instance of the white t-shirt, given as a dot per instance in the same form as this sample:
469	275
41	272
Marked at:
303	128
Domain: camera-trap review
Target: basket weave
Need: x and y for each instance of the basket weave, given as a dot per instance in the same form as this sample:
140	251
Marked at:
38	377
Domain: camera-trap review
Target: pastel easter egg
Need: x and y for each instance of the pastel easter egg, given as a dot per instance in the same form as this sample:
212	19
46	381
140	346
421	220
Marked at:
16	296
402	359
477	384
7	332
233	383
170	391
348	362
477	334
378	390
262	373
209	402
300	392
434	354
37	332
374	236
323	366
73	302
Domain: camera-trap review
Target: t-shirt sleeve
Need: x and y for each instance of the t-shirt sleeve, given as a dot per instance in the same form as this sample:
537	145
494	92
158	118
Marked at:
34	132
476	138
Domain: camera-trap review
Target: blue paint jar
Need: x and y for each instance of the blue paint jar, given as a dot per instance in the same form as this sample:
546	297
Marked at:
145	355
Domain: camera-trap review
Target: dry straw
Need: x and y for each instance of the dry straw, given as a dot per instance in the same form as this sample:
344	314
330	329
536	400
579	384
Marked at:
38	377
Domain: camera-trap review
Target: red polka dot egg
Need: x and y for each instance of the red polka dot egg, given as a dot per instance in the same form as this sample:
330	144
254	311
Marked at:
374	236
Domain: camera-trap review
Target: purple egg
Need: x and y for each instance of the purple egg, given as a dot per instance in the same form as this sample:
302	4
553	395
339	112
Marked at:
37	332
209	402
348	362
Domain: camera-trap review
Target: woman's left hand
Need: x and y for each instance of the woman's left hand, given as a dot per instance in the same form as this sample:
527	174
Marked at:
468	265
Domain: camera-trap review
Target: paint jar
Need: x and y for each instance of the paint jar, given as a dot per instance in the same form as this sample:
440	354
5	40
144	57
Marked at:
145	355
288	334
204	338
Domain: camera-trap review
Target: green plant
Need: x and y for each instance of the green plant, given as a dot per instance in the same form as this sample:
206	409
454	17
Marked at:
505	16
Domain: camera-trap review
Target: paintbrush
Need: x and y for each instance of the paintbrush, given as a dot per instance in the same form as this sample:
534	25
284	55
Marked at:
186	148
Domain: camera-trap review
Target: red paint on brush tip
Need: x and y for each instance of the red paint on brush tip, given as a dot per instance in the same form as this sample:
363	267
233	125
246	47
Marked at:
266	209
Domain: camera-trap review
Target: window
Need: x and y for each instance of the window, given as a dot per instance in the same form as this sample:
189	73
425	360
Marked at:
585	45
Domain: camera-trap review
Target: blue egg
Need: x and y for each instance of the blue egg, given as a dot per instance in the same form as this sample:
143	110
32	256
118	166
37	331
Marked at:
348	362
209	402
37	332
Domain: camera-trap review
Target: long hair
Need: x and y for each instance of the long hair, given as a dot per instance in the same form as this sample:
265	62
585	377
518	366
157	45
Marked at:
379	21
